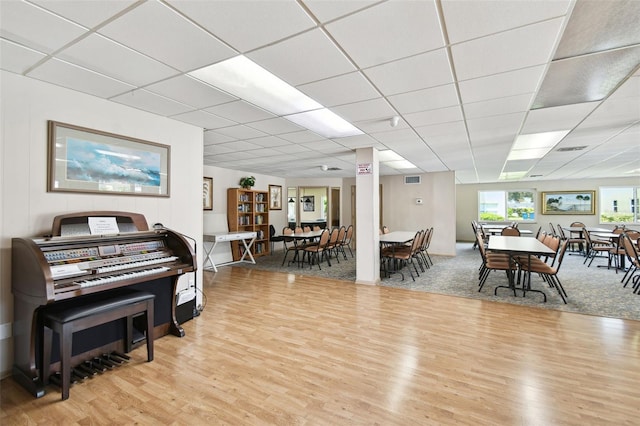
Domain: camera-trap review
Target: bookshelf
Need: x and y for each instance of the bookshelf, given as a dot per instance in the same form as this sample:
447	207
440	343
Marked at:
248	210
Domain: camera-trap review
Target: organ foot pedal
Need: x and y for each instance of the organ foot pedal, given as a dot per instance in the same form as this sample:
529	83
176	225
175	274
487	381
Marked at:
93	367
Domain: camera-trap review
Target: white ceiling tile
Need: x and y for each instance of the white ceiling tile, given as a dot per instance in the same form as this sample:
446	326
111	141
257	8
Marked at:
211	137
370	37
410	74
502	85
16	58
327	10
507	105
343	89
217	149
239	146
507	51
87	13
114	60
425	99
36	28
270	142
365	110
302	59
397	135
614	113
325	146
302	137
557	118
378	125
190	91
276	126
296	148
147	101
204	120
240	111
73	77
241	132
466	20
435	116
157	31
491	128
443	136
246	25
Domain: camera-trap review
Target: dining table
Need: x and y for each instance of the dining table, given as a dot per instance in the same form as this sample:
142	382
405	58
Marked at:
298	237
516	246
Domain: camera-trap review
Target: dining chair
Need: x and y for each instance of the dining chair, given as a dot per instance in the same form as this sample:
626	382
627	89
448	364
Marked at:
401	255
578	237
347	239
633	254
548	272
333	243
510	231
553	229
317	251
618	251
339	248
427	244
595	246
492	262
273	238
286	232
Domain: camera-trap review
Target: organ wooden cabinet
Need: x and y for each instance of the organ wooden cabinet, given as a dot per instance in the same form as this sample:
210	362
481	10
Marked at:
248	210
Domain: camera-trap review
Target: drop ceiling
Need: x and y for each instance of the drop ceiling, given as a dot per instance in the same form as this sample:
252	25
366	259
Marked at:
465	78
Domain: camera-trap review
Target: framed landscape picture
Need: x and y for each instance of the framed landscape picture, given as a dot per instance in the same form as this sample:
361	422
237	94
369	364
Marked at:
568	202
92	161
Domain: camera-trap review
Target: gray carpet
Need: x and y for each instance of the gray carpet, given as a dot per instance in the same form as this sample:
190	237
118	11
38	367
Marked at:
591	290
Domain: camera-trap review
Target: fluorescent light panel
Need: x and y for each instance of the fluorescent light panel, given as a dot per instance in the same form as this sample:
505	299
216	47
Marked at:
395	161
535	145
325	123
247	80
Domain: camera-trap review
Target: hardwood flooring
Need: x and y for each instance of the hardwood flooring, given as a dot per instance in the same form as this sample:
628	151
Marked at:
282	349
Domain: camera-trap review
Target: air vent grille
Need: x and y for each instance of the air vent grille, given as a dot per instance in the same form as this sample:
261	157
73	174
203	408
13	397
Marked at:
571	148
411	180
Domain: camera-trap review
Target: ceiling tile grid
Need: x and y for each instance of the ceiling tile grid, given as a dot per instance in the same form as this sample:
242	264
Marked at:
464	78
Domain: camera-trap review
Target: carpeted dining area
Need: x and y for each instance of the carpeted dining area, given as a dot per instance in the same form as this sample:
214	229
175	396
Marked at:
594	290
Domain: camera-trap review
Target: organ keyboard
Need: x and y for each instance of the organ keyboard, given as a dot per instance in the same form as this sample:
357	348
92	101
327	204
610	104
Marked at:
71	269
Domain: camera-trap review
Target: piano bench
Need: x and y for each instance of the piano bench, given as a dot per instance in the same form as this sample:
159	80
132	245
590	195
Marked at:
67	320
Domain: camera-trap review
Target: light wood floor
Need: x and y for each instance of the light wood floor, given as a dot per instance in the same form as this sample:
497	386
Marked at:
281	349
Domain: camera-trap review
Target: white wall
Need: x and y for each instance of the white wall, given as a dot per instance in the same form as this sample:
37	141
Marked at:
467	201
28	209
400	211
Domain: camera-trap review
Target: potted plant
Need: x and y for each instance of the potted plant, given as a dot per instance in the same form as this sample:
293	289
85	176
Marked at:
247	182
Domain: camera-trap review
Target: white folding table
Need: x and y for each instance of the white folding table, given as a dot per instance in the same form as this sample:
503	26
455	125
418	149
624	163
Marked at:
227	237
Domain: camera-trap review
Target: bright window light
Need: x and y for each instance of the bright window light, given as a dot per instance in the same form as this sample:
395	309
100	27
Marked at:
325	123
247	80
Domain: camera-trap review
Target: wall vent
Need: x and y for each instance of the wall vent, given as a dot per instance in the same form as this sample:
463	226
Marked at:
411	179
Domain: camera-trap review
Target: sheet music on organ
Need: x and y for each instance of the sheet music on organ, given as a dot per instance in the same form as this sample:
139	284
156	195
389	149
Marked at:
103	225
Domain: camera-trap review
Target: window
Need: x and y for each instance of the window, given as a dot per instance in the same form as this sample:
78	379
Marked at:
618	204
506	205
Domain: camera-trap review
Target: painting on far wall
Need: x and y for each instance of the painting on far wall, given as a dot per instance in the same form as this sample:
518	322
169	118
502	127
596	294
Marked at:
568	202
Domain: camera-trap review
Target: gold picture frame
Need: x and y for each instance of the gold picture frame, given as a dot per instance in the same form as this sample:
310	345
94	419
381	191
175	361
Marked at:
92	161
275	197
207	193
568	202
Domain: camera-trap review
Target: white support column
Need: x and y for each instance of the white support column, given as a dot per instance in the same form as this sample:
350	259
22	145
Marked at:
367	216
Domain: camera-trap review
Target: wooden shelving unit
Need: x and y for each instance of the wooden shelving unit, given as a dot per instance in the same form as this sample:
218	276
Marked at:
248	210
